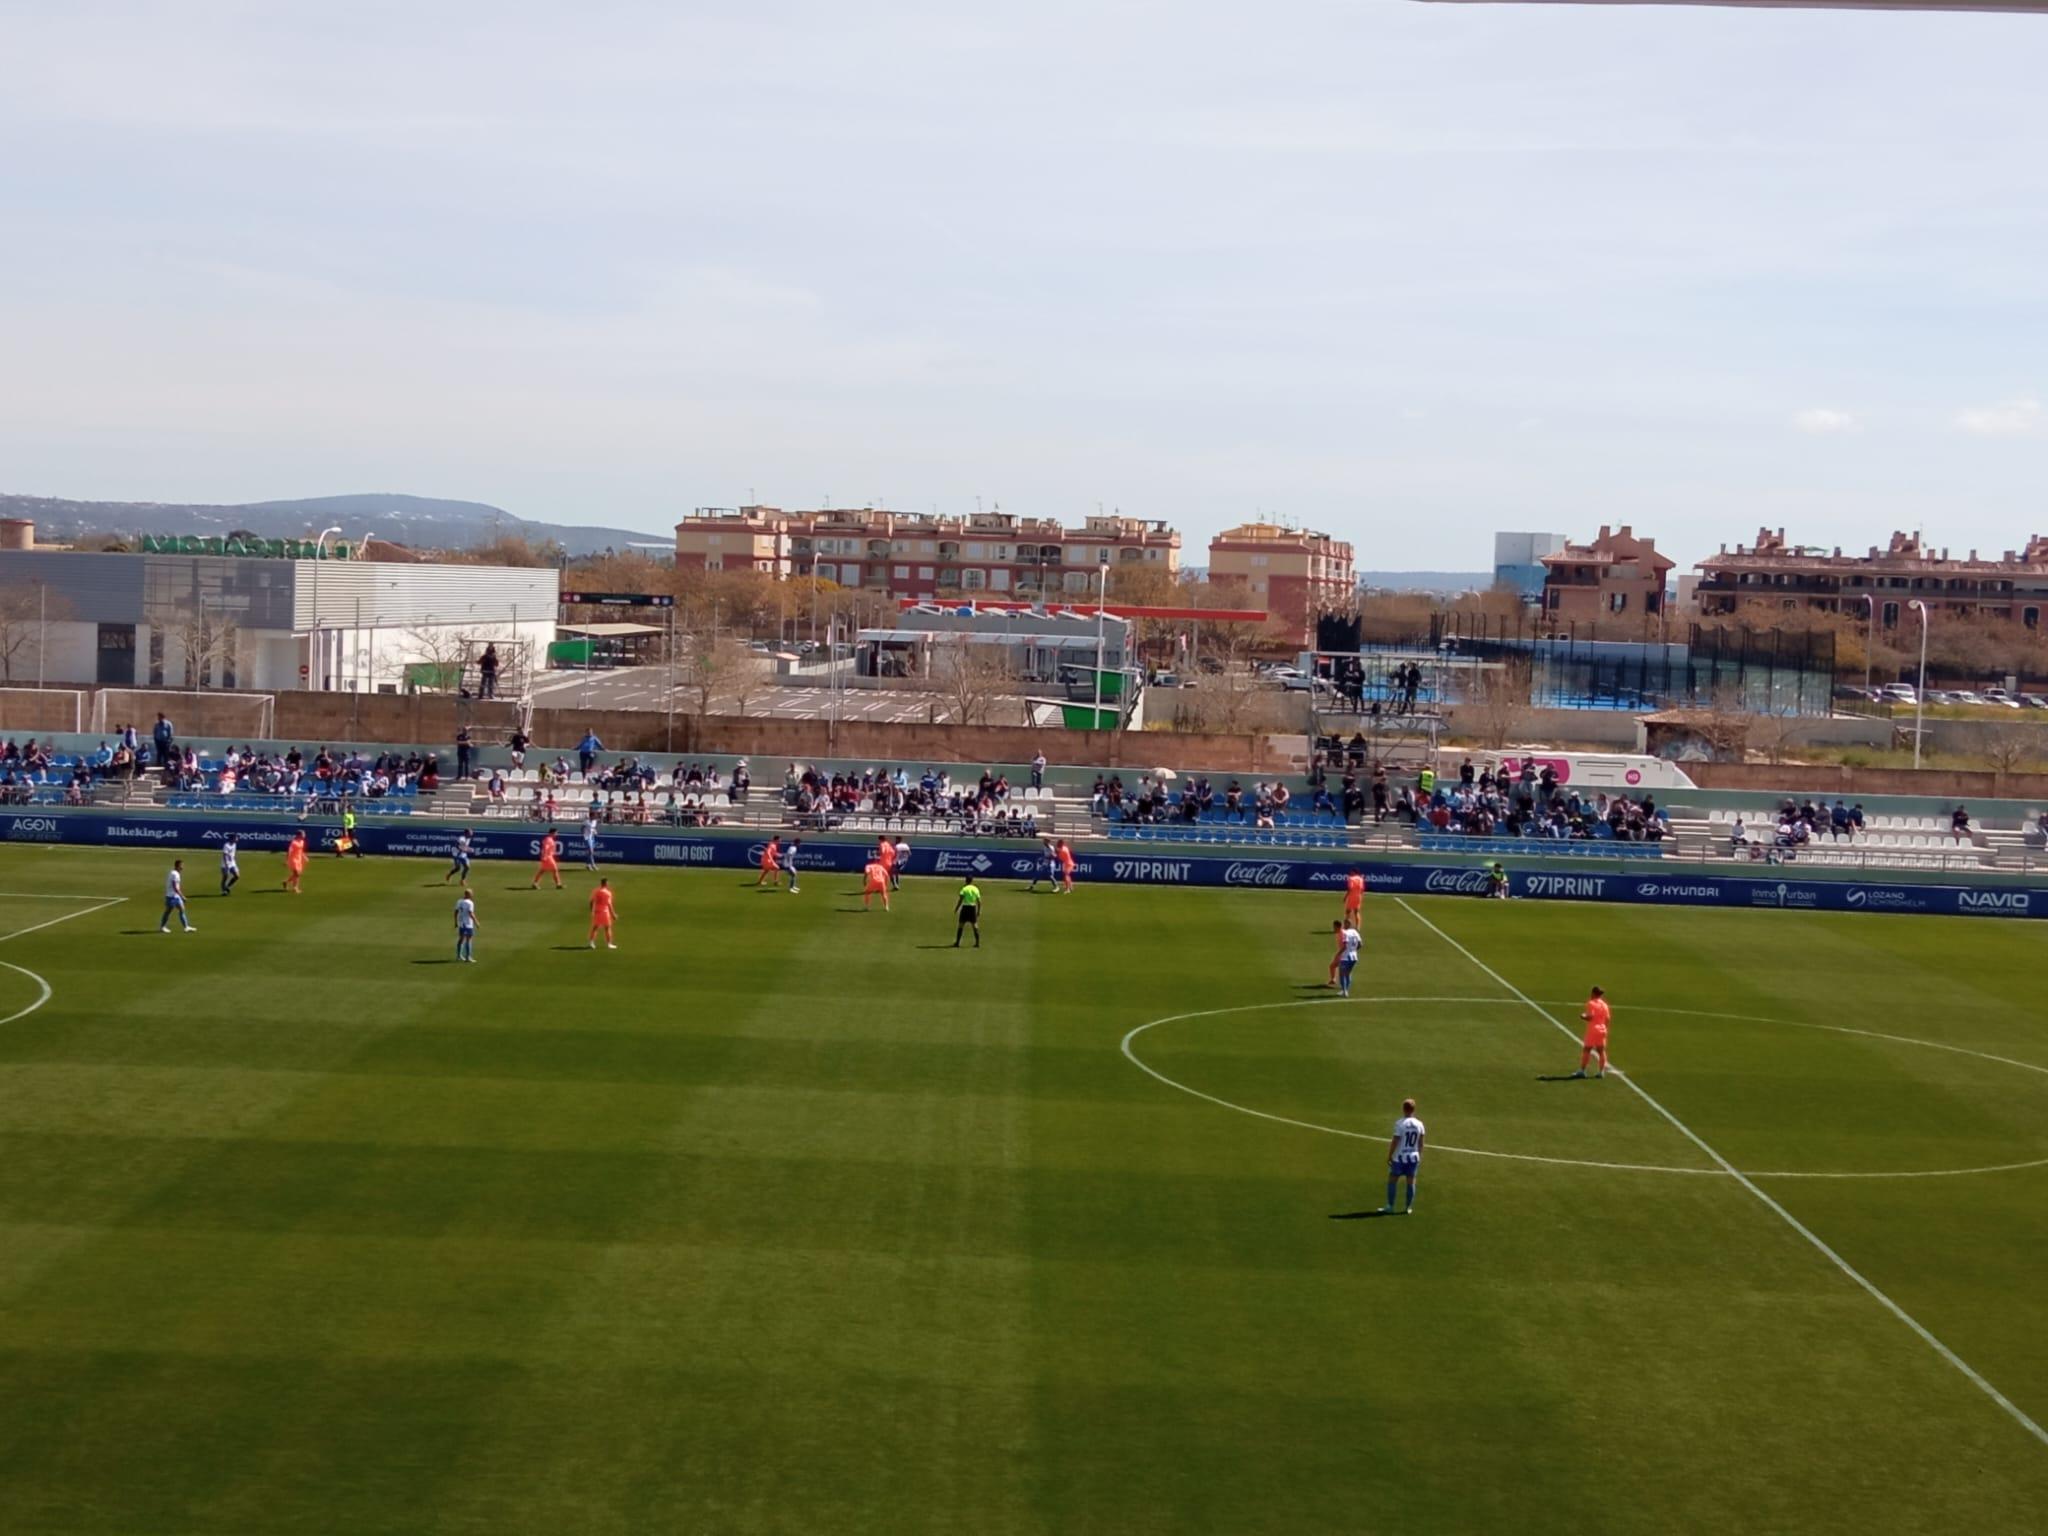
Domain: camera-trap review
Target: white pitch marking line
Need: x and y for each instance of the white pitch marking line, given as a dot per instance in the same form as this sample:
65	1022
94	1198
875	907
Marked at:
1331	1130
103	904
59	896
22	1013
1969	1372
1835	1029
1580	1162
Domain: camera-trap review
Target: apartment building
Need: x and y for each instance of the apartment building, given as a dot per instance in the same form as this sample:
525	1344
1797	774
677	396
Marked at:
2012	587
1295	574
1616	579
923	555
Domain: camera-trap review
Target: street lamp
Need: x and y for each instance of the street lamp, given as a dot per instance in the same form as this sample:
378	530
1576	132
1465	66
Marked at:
1101	600
1870	638
1920	693
318	656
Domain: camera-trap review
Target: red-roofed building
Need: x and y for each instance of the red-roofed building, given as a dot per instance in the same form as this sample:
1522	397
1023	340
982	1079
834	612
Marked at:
1618	579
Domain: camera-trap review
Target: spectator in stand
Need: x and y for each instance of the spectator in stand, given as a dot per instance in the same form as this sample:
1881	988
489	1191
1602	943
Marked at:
1738	835
487	674
586	752
1038	770
463	752
1959	823
517	743
165	736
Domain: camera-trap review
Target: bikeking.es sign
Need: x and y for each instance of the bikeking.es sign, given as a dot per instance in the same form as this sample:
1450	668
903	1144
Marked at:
251	549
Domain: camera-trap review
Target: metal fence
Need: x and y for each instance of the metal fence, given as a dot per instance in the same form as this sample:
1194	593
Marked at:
1766	672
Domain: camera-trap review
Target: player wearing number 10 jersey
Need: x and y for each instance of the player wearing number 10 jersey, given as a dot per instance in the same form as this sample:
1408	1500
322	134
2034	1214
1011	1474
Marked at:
1404	1158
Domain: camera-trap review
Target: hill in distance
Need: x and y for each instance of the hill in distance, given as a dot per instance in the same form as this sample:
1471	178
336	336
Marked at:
423	522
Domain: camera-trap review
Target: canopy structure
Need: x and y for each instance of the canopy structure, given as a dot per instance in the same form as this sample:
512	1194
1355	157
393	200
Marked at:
1794	5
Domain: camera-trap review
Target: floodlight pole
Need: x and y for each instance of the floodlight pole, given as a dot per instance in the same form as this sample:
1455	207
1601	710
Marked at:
1869	638
315	677
1920	693
42	628
1102	597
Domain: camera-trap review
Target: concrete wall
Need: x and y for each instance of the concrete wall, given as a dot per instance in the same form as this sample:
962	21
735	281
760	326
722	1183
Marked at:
326	718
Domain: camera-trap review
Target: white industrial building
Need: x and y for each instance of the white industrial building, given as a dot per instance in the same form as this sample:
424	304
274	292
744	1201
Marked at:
252	622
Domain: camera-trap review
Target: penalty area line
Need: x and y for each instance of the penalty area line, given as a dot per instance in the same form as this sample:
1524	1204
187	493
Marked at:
1968	1371
100	906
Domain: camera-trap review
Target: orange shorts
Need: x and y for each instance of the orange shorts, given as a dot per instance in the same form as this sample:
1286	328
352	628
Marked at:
1596	1038
547	865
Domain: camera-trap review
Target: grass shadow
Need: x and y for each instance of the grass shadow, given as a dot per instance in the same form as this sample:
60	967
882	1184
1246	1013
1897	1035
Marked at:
1371	1215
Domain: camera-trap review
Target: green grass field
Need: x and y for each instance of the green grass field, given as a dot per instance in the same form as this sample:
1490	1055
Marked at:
783	1218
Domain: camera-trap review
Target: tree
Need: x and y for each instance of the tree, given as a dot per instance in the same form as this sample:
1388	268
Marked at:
206	641
2013	748
1499	704
716	661
971	678
21	628
1724	723
1773	734
628	572
508	549
438	653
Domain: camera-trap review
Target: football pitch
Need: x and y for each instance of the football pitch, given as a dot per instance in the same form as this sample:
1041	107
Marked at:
788	1217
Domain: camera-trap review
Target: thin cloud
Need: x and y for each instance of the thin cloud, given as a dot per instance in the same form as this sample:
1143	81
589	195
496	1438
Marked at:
1822	422
2009	418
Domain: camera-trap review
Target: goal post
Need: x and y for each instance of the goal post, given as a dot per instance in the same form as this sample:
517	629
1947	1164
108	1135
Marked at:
198	712
42	709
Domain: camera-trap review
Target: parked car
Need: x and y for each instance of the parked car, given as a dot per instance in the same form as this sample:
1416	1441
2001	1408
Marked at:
2001	698
2034	700
1896	693
1297	682
1856	691
1965	696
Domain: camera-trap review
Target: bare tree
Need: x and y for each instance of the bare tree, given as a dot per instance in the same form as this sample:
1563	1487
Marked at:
1773	734
438	652
1724	723
1225	698
749	677
2013	748
716	662
206	641
971	678
21	620
1499	706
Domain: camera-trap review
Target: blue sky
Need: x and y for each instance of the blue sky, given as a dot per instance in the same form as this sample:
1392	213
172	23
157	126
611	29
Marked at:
1407	272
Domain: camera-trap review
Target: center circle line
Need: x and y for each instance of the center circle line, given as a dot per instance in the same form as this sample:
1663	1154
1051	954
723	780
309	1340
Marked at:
1142	1065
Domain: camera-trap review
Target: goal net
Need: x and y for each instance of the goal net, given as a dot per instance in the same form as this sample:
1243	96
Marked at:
42	709
200	712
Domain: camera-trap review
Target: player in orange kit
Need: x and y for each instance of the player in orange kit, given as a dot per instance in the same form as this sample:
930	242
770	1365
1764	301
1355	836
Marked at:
885	855
550	860
876	884
1596	1015
771	864
1065	855
295	861
601	914
1354	897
